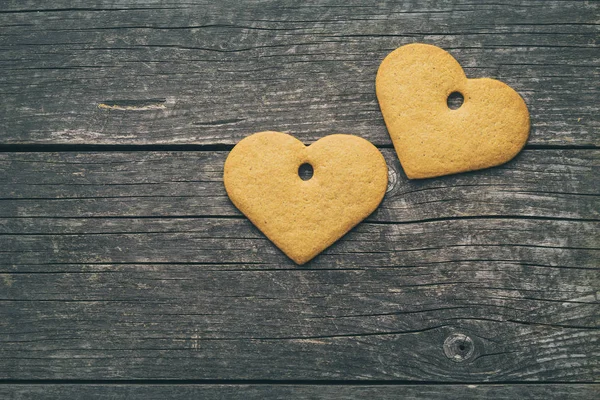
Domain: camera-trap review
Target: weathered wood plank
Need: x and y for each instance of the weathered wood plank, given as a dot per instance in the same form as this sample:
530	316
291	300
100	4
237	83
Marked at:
181	322
539	183
211	73
284	392
127	278
205	298
47	241
136	266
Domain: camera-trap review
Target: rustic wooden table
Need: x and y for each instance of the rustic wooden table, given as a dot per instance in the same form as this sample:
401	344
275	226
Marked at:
127	273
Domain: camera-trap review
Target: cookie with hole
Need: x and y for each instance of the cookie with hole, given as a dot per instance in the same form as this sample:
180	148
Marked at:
442	122
304	198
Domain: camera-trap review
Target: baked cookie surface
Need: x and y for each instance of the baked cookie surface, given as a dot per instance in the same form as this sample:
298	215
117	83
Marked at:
304	217
413	84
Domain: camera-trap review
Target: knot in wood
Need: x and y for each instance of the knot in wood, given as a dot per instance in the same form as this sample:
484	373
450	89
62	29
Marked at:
459	347
392	179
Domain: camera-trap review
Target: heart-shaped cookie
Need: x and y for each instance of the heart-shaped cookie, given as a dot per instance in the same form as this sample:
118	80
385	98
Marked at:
303	217
413	84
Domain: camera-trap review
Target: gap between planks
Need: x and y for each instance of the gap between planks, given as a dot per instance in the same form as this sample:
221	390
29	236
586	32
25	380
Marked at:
49	148
301	382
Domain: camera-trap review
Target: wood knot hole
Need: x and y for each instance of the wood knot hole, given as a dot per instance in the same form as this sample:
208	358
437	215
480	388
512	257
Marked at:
392	179
459	347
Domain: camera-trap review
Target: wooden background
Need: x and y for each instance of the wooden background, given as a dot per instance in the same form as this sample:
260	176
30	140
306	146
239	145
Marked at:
125	272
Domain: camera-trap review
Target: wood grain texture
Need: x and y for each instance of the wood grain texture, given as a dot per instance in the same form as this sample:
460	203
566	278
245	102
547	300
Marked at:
169	72
551	184
284	392
134	265
123	282
204	321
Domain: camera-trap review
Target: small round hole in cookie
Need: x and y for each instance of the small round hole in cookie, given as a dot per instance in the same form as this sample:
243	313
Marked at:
305	171
455	100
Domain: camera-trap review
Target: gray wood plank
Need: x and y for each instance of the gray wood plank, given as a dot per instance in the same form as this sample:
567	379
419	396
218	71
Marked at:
135	265
555	184
147	272
285	392
47	241
212	299
145	72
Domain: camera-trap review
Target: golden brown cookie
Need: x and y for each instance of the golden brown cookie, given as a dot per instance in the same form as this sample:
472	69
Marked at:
413	84
303	217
